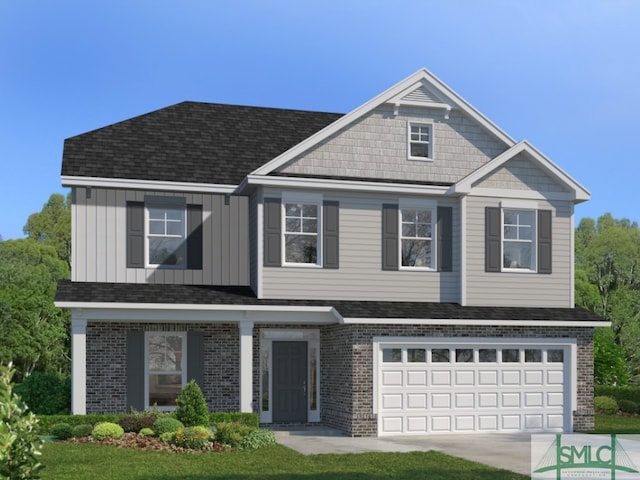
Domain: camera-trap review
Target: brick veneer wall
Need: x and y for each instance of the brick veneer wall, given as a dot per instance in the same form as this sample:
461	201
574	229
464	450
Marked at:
107	367
347	361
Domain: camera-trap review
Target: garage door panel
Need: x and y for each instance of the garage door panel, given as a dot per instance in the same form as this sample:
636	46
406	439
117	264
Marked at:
488	378
417	378
440	377
416	400
483	392
392	378
464	377
392	401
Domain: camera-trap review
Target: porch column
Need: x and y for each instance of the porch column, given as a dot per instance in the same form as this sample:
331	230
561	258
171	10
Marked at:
78	365
246	366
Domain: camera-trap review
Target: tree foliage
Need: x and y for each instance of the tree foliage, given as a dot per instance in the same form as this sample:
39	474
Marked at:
607	253
34	332
20	444
52	225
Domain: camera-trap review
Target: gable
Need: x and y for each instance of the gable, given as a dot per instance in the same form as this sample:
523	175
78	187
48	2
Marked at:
521	173
376	147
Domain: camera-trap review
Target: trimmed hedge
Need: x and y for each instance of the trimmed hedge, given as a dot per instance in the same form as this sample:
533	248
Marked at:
45	422
248	419
619	393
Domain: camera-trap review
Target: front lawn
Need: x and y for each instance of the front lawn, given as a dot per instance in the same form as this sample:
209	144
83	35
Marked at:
617	424
89	461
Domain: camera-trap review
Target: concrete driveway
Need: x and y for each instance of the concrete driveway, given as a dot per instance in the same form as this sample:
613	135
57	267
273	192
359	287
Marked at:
508	451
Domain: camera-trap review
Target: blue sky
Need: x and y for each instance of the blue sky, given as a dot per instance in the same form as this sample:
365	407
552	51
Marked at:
564	75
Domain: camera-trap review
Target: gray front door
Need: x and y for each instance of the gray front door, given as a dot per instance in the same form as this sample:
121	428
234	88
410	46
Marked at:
289	382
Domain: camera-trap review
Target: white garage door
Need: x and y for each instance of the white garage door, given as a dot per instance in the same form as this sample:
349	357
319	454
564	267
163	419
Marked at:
426	387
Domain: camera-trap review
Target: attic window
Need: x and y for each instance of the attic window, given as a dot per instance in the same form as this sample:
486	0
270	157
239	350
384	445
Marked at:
420	141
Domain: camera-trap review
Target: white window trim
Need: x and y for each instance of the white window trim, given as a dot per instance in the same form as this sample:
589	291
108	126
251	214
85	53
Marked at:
308	199
425	205
164	202
183	365
534	240
430	156
267	337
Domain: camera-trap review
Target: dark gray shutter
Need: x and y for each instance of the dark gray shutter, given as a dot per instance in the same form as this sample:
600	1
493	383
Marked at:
445	239
195	358
194	237
390	239
135	234
272	235
493	238
135	371
544	241
330	235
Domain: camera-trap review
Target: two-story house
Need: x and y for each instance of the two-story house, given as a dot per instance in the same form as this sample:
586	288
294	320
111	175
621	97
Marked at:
406	268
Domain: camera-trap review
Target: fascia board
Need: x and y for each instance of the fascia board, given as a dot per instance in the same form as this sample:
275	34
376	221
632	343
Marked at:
414	79
351	185
135	184
482	322
464	186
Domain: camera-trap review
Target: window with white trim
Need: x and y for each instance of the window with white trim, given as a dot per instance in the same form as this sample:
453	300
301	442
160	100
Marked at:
417	227
167	233
518	239
165	368
420	141
302	232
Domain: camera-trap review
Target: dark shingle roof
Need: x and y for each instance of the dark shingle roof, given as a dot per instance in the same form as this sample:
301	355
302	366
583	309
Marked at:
214	295
191	142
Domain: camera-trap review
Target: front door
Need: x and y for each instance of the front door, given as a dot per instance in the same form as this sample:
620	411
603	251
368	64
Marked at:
289	382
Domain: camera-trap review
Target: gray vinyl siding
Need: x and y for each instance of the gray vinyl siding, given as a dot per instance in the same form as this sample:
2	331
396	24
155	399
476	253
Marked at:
99	239
360	275
376	147
518	289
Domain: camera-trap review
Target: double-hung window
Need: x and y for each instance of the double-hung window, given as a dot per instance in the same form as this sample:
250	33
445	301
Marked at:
302	230
166	368
166	237
518	239
417	228
420	141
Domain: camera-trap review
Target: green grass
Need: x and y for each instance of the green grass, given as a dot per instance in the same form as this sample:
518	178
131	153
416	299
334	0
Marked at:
617	424
87	461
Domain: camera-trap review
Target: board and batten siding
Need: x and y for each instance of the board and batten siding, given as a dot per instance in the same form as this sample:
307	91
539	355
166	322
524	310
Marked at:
360	275
376	147
99	239
519	289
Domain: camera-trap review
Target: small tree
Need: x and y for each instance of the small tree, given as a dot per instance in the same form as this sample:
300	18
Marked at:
20	444
192	407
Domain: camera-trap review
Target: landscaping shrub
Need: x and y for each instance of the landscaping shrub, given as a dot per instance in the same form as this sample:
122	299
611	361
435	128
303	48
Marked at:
46	393
619	393
20	444
81	431
258	439
107	429
192	407
607	405
191	437
167	437
166	425
62	431
135	423
147	432
45	422
627	406
249	419
232	433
